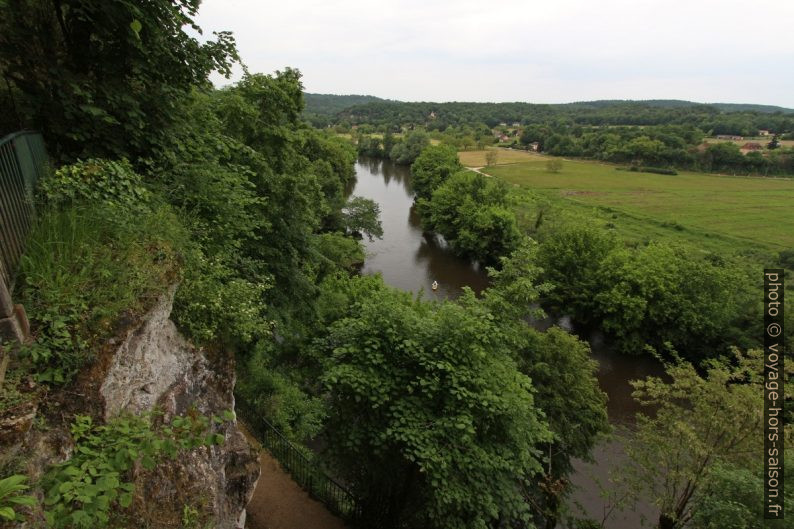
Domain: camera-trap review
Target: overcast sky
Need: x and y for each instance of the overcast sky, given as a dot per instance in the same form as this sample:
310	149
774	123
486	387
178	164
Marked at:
509	50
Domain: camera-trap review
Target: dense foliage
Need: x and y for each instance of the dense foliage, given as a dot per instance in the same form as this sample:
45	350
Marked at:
85	490
432	168
438	116
472	212
693	451
102	78
428	414
653	295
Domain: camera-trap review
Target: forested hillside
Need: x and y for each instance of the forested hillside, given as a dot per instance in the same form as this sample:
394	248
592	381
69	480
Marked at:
322	108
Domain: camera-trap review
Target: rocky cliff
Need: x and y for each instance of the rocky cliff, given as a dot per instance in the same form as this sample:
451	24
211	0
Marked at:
151	365
156	367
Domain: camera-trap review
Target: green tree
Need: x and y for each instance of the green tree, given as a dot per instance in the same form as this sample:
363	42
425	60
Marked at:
491	156
472	212
729	499
571	259
660	295
433	167
409	149
428	415
562	373
104	78
724	156
699	421
361	215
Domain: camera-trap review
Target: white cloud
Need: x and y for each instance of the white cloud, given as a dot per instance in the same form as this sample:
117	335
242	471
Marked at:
703	50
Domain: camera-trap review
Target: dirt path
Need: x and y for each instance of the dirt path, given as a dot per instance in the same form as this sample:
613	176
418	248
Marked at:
279	503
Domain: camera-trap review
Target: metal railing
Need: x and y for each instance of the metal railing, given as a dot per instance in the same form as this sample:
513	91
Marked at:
23	161
337	498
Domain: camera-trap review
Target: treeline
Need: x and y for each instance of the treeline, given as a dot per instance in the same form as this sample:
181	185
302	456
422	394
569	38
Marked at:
401	149
659	146
665	146
393	115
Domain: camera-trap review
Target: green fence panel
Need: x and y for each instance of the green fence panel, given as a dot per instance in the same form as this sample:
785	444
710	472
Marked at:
23	162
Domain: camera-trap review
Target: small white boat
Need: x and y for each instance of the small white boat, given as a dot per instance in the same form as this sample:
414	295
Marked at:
434	286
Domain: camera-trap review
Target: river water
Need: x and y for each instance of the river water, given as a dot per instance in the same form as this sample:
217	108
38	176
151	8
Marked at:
410	260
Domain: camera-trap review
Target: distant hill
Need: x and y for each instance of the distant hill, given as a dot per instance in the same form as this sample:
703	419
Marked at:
330	104
678	103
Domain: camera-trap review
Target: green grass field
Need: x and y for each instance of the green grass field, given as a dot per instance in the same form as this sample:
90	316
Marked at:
712	211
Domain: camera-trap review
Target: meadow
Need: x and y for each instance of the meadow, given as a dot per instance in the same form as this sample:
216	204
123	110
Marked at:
504	156
714	211
763	140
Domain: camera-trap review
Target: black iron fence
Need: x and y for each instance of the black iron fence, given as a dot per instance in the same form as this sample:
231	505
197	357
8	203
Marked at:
23	161
336	497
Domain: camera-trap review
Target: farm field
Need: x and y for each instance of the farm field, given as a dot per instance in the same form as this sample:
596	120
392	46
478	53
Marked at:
505	156
762	140
715	212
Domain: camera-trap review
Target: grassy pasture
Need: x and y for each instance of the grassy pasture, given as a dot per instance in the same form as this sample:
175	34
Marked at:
715	212
505	156
763	140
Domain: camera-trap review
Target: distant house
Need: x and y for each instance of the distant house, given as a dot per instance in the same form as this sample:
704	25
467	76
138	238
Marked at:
432	115
750	147
534	146
504	137
763	133
502	124
516	124
729	137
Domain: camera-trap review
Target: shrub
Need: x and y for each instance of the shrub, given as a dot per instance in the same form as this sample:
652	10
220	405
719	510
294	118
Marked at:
645	169
554	165
214	303
84	490
95	180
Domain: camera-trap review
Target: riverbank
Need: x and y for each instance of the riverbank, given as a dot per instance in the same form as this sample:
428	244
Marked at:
410	260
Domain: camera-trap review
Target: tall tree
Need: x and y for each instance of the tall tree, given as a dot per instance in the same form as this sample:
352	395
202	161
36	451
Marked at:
433	167
428	416
104	78
699	421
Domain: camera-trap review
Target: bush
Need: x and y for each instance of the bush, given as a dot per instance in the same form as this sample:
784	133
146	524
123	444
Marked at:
86	489
95	180
645	169
554	165
214	303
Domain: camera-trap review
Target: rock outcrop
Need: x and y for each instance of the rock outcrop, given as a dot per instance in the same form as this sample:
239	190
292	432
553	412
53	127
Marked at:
154	366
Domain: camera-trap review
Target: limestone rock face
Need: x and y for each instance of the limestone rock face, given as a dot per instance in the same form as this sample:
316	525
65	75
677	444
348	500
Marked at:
154	366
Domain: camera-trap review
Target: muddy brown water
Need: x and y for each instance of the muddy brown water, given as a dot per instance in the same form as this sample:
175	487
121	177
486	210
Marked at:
410	260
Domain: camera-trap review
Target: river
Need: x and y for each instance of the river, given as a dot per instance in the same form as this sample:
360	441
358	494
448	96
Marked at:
410	260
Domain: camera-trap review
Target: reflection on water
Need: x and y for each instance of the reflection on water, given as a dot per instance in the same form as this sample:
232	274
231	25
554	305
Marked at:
411	261
405	257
